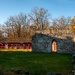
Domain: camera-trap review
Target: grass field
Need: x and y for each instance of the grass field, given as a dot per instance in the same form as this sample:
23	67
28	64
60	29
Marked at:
37	63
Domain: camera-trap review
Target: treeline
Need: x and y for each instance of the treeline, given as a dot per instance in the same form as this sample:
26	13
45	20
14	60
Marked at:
39	20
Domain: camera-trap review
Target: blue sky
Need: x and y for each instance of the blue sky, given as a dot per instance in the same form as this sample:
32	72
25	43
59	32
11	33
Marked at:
56	8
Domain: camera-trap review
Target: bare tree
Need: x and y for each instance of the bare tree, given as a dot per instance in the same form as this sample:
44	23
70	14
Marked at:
16	24
62	25
1	31
62	21
40	18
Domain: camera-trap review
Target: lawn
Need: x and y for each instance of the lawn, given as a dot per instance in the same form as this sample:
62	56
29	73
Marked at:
37	63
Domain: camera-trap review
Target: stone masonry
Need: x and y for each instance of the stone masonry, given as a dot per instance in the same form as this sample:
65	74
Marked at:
43	43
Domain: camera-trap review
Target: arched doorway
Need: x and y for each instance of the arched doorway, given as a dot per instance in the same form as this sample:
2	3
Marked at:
54	46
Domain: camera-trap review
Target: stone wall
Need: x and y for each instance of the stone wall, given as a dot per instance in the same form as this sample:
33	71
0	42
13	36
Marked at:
43	43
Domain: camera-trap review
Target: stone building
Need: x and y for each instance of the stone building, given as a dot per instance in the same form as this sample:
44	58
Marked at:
46	43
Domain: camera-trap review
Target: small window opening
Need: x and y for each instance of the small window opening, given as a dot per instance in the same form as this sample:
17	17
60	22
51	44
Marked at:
54	46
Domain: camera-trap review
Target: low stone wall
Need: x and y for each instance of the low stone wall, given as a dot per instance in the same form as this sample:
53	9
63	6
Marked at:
43	43
73	63
12	71
52	73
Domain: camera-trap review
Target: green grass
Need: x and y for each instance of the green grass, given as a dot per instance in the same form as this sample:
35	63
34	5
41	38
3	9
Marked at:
37	63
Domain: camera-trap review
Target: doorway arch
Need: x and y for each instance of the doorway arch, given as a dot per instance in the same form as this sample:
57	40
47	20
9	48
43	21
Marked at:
54	46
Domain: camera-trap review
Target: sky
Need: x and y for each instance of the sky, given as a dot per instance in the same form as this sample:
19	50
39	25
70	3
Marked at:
56	8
